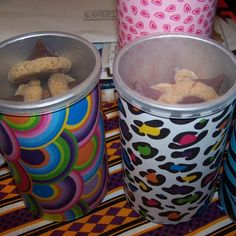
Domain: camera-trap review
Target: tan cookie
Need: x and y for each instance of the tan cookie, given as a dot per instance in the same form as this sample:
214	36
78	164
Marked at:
31	91
186	84
184	73
26	70
58	83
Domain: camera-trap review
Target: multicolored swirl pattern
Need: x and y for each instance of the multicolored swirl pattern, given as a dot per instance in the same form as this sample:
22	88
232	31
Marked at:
141	17
58	159
171	166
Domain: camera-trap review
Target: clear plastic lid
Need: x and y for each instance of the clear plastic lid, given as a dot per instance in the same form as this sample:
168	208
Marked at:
86	68
142	64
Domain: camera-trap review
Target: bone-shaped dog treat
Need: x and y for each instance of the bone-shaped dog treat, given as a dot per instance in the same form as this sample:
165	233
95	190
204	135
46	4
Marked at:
27	70
44	65
31	91
59	83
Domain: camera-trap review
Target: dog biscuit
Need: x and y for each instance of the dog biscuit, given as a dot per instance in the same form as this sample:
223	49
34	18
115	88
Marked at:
58	83
34	69
31	91
187	84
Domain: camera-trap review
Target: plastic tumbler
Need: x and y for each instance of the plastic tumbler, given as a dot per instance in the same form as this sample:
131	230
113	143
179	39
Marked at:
140	17
55	148
172	153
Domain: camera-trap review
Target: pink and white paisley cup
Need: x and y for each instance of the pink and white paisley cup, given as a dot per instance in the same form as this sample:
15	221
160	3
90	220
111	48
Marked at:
141	17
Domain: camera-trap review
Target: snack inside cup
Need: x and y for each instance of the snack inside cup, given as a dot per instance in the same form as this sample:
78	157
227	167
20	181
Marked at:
174	72
186	88
41	70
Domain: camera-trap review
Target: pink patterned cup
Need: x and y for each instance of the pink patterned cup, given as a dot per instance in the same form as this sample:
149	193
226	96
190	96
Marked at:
141	17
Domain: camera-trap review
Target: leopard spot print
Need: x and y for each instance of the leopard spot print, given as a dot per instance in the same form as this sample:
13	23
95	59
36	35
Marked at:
208	179
187	154
213	161
127	160
134	110
150	128
187	139
173	215
125	130
152	203
152	177
190	178
144	212
188	199
179	168
127	175
145	150
160	158
171	166
201	124
176	189
182	121
142	185
134	159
